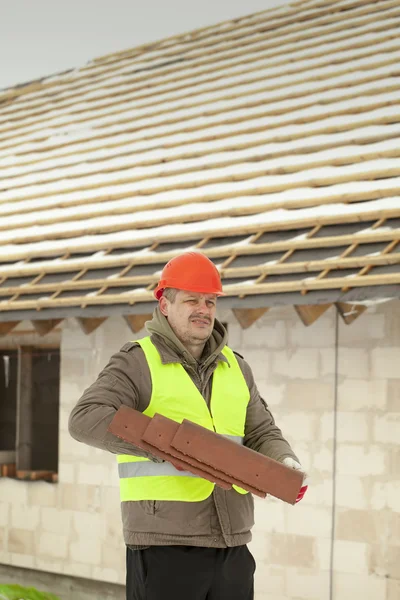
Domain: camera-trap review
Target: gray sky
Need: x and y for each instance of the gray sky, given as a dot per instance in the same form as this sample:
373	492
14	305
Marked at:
43	37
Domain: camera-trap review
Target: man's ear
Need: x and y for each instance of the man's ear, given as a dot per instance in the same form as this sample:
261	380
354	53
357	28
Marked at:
163	304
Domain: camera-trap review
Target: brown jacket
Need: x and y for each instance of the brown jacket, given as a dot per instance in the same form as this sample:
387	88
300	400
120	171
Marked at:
226	517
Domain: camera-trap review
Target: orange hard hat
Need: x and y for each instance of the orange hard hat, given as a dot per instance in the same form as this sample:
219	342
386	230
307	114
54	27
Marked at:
190	271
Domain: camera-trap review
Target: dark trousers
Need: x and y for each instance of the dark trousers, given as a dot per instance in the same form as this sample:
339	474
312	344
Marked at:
189	573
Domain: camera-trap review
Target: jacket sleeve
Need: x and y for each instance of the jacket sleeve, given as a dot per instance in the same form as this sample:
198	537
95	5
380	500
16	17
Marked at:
116	385
261	432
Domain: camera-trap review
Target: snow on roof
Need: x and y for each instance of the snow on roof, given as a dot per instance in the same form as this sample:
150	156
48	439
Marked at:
270	143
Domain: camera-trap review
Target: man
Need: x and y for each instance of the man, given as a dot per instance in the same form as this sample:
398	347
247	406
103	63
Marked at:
186	538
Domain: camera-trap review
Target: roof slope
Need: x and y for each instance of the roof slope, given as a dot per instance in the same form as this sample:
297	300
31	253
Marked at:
271	143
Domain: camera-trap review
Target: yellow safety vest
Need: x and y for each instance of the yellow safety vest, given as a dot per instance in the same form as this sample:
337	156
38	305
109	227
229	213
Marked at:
175	396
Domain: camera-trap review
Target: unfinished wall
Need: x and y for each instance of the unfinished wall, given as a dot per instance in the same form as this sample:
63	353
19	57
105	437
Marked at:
74	528
296	371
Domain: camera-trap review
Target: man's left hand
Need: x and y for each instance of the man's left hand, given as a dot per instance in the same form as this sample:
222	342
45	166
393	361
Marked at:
293	464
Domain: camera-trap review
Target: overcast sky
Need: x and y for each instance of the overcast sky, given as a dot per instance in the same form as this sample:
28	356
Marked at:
43	37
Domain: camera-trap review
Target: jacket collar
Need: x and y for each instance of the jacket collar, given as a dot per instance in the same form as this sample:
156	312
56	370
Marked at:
172	350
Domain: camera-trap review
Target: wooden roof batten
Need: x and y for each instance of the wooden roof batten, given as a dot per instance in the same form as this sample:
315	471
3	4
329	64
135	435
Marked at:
281	268
243	40
270	143
119	112
221	251
232	290
372	210
95	111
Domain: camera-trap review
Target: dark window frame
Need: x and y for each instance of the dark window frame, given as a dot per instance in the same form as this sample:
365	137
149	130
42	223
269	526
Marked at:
34	396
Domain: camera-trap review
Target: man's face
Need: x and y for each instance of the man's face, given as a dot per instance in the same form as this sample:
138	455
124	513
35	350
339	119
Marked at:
191	316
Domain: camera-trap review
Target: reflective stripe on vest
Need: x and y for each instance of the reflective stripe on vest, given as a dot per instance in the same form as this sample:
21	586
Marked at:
174	395
148	468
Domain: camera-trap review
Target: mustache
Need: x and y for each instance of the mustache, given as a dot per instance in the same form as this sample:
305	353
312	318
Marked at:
202	317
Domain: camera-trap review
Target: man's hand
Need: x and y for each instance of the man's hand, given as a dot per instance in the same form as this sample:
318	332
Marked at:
177	467
293	464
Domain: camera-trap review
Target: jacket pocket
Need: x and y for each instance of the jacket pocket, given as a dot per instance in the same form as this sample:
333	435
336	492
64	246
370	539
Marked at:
240	509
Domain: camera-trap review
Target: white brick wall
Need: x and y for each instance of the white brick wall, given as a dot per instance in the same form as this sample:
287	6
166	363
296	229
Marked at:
351	491
387	428
270	515
264	334
354	362
42	494
53	545
359	394
301	364
74	527
320	335
54	520
353	427
309	520
299	425
355	459
25	517
351	557
385	362
4	513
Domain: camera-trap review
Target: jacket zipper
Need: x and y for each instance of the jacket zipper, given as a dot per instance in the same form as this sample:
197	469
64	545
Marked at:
202	384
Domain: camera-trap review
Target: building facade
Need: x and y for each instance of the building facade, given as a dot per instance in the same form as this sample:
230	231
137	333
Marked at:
333	388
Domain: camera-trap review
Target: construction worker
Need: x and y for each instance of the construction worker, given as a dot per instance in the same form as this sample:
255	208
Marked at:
186	539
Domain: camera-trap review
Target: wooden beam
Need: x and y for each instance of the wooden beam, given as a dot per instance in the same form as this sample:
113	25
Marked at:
309	313
248	316
88	325
24	408
7	326
368	213
261	271
237	289
46	325
216	252
8	470
29	475
136	322
350	312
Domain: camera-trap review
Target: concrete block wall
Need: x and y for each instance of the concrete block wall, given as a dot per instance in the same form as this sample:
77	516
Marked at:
74	528
292	368
358	494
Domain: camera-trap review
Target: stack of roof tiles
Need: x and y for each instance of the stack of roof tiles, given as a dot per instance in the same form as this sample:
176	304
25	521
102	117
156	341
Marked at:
209	455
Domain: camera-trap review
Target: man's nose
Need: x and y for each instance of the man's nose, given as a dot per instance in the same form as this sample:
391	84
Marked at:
203	308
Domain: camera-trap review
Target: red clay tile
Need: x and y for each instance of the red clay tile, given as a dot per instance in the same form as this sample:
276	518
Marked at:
159	434
211	456
130	425
240	462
